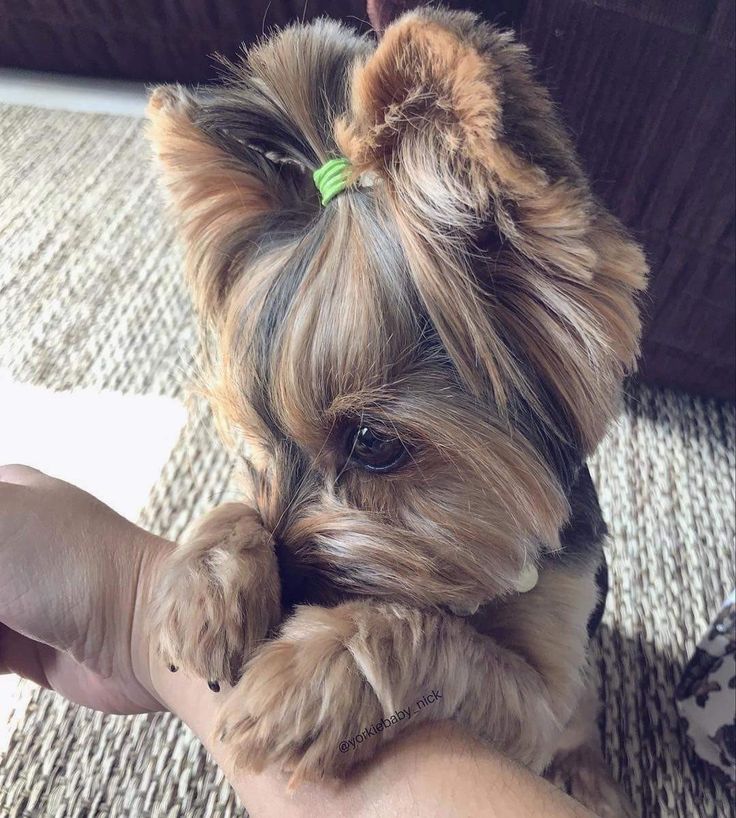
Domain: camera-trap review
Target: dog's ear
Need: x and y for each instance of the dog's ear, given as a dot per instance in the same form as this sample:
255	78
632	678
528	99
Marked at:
425	108
230	190
212	193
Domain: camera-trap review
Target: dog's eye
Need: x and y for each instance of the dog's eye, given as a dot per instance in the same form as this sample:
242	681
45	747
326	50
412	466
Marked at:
374	451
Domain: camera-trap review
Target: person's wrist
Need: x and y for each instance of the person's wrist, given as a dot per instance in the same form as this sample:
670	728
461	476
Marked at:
143	650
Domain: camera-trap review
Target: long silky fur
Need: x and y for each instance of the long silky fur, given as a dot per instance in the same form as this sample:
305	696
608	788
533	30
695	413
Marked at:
468	294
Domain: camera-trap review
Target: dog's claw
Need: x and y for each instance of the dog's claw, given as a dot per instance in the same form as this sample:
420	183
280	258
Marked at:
214	686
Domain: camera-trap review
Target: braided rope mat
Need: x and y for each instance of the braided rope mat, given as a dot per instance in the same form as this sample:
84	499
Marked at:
91	296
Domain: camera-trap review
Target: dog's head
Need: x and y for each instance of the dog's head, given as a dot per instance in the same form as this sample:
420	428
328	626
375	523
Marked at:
417	369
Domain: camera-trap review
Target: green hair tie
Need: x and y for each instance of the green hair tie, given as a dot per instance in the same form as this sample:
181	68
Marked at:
331	179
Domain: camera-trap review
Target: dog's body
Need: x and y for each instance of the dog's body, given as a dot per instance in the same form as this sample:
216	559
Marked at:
415	374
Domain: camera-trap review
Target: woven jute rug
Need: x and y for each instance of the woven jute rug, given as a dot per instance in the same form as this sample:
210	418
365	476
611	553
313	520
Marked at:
91	296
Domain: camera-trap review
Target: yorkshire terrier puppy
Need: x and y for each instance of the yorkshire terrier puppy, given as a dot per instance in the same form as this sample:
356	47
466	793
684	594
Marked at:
414	357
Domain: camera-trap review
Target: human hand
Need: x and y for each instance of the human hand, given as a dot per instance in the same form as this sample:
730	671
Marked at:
72	576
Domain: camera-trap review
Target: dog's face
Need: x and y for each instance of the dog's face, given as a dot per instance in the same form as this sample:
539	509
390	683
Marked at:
416	369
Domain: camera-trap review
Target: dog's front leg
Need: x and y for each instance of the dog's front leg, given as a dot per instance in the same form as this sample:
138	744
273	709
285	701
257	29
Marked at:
219	595
340	682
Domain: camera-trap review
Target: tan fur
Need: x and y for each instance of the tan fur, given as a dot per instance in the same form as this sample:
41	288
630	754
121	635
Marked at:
334	672
210	193
547	626
421	69
220	595
578	767
439	111
467	296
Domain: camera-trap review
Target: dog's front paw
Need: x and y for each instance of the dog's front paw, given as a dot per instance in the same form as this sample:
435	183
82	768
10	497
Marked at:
303	703
218	597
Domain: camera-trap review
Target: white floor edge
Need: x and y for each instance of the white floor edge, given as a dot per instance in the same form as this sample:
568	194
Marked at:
72	93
